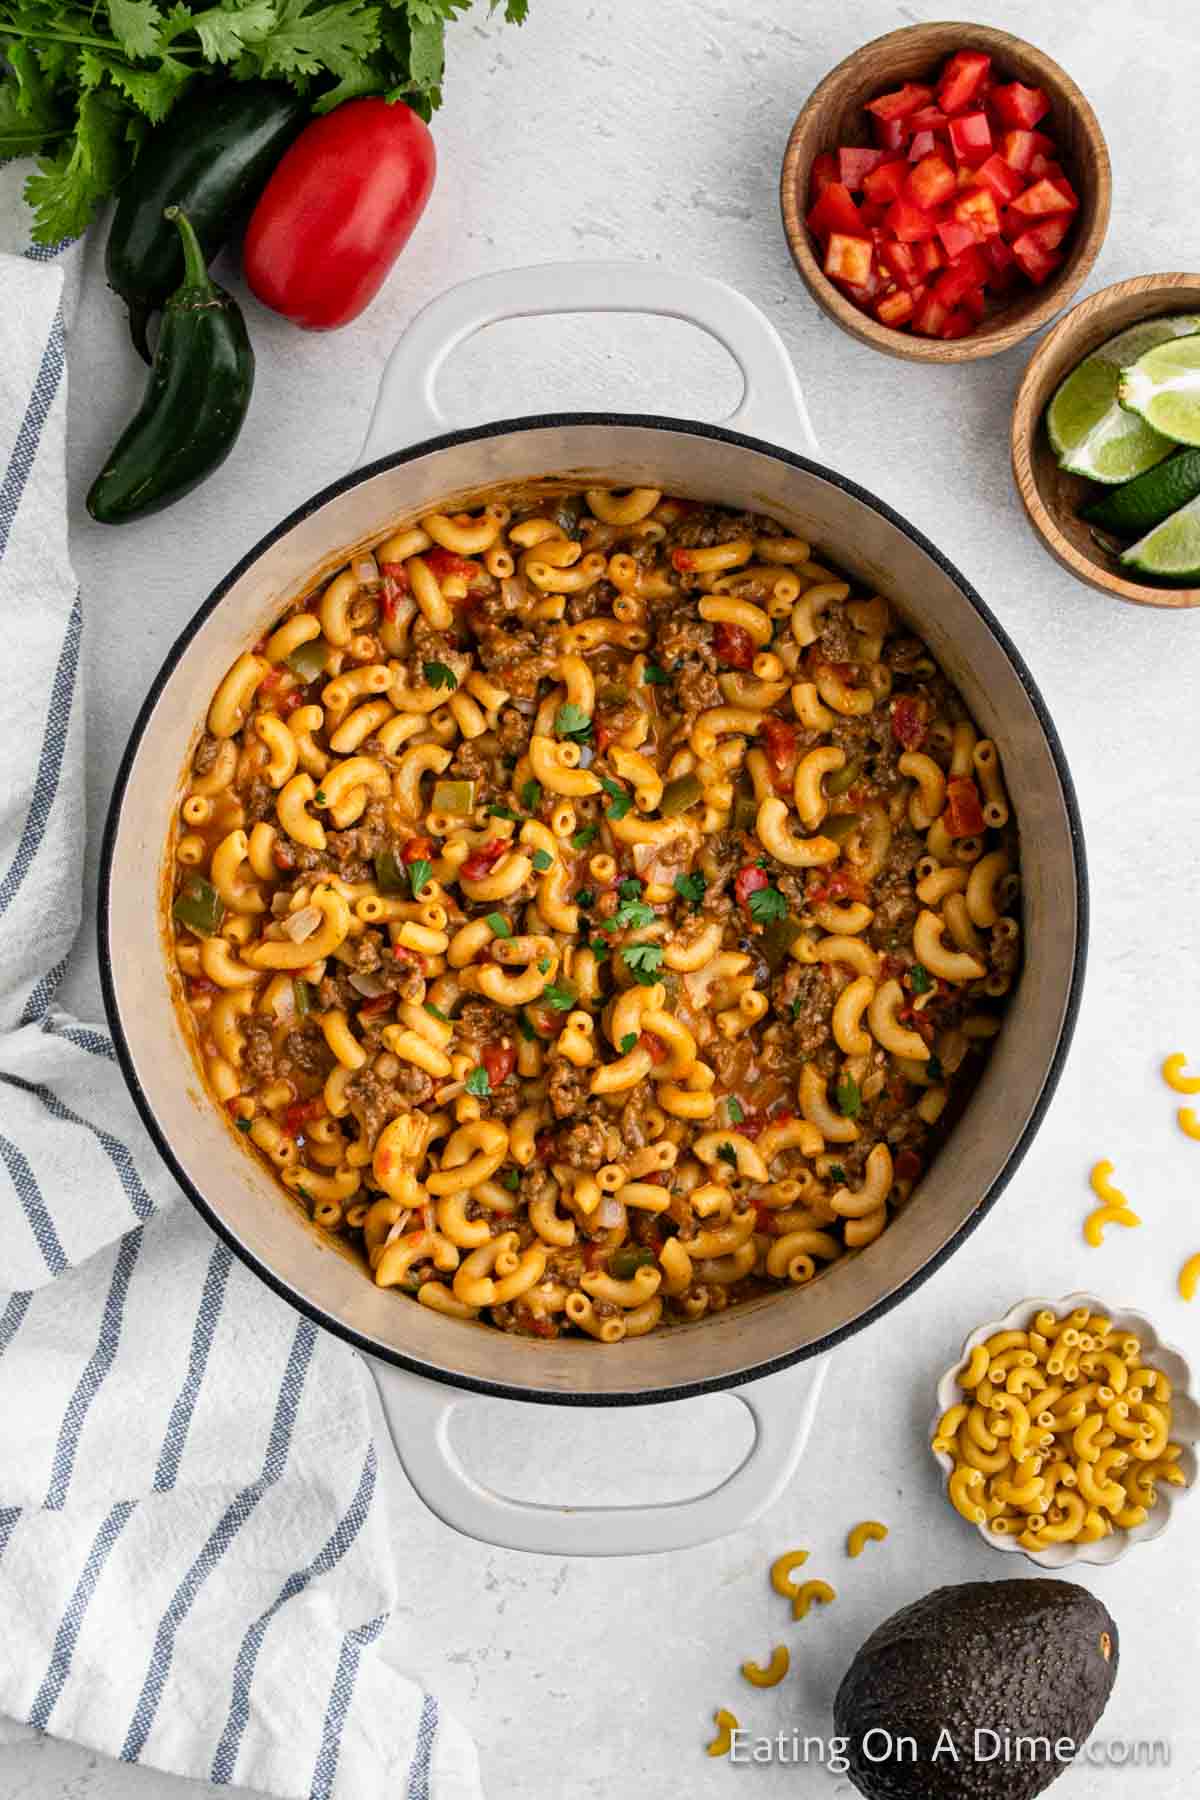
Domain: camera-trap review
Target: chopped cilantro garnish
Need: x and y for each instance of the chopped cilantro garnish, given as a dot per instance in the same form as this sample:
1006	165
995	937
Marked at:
836	1172
542	860
598	948
560	998
627	1042
630	889
571	722
319	797
849	1097
934	1069
621	801
728	1154
531	796
511	1179
653	675
242	1124
631	915
733	1107
691	888
436	1012
643	962
439	675
585	897
920	980
419	872
584	836
504	812
767	904
544	966
500	925
526	1029
477	1083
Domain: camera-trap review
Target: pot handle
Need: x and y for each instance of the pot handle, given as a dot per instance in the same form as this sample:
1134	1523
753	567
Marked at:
407	411
418	1414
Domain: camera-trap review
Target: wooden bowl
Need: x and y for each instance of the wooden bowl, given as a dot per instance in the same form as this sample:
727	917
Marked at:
833	114
1053	498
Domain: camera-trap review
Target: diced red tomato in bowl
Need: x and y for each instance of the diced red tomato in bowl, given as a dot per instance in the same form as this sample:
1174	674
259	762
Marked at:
959	200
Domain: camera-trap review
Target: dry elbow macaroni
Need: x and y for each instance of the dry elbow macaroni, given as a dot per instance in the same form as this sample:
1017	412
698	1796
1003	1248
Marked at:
588	905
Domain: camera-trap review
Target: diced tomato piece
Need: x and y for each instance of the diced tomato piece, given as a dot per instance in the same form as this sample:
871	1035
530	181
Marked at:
930	316
842	884
282	855
543	1146
378	1003
998	253
1034	259
823	171
929	259
1020	148
928	118
734	646
1020	106
924	143
855	163
956	237
835	211
862	295
749	881
901	101
420	849
287	703
885	183
895	309
961	80
971	137
963	816
1046	197
974	303
907	222
900	261
683	560
483	860
959	325
779	743
394	586
1049	233
968	271
889	134
1004	181
499	1060
444	562
931	182
907	1166
908	722
849	258
301	1113
977	208
198	985
654	1047
870	217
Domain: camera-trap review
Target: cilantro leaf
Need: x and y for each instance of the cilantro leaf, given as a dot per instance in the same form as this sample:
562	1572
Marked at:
419	872
571	722
934	1069
436	1012
691	888
503	812
728	1154
137	26
242	1124
733	1107
837	1173
653	675
585	897
621	801
767	904
542	860
631	915
584	836
628	1042
848	1095
525	1028
336	38
71	183
629	889
511	1179
477	1083
531	796
643	962
560	998
499	924
920	980
439	675
544	966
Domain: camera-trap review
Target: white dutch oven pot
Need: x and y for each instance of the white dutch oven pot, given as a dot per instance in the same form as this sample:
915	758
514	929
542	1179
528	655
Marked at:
762	458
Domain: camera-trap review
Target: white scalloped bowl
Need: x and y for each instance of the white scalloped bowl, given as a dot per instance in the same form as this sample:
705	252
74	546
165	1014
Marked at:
1185	1428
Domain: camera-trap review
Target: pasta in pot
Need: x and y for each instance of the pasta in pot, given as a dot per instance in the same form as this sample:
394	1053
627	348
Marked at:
594	910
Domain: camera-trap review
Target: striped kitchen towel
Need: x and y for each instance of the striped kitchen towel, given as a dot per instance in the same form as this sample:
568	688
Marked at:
196	1569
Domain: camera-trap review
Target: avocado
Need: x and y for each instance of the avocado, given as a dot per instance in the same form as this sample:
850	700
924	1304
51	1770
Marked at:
979	1692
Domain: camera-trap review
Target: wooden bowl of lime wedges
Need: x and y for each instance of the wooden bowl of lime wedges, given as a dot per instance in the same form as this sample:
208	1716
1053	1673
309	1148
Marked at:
1106	440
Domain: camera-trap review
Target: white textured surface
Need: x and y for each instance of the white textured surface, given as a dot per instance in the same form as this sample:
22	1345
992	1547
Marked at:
588	135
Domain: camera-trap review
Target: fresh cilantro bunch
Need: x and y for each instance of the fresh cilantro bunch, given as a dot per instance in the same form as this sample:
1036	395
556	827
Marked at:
81	85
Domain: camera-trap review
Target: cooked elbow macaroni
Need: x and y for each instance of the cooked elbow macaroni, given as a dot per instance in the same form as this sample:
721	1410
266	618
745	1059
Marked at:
589	907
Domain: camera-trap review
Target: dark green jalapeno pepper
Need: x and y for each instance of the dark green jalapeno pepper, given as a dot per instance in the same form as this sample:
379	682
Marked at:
195	401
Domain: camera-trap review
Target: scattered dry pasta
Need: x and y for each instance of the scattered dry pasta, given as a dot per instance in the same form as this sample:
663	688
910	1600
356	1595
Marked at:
811	1592
870	1531
773	1674
1173	1075
1189	1277
726	1724
593	909
1065	1436
1115	1209
782	1570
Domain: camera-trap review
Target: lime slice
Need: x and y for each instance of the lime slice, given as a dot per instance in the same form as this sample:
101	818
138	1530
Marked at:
1090	432
1171	552
1163	389
1151	498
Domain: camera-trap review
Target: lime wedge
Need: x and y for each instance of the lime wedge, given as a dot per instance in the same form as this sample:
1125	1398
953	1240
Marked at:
1163	389
1149	499
1171	552
1090	432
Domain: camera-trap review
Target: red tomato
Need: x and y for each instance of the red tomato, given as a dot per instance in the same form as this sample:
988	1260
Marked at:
734	645
683	560
444	562
1020	148
971	137
848	259
1000	176
896	308
394	586
977	208
901	262
962	78
654	1047
370	1009
418	849
886	183
854	163
499	1060
907	1165
198	985
301	1113
779	743
341	205
1033	259
1045	197
930	316
1019	106
834	211
543	1145
900	103
908	722
963	816
931	182
889	134
824	170
749	881
481	861
907	222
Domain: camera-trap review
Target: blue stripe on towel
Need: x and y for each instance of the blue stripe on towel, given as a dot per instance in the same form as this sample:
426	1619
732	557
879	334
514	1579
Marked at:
340	1696
84	1037
71	1624
93	1377
33	1206
54	744
49	376
12	1318
117	1152
331	1553
219	1540
418	1774
42	993
203	1332
9	1516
